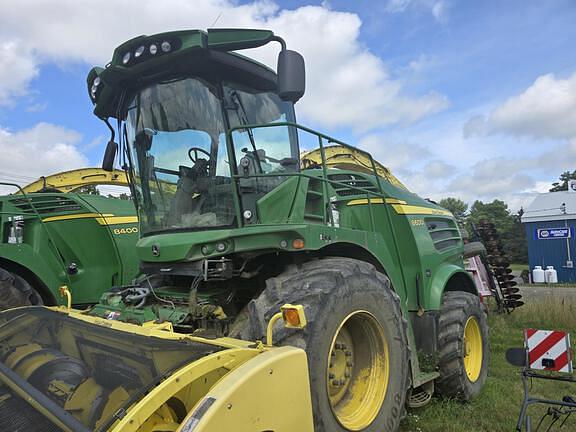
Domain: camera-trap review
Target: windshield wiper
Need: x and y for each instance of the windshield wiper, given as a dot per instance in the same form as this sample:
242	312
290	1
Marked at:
243	117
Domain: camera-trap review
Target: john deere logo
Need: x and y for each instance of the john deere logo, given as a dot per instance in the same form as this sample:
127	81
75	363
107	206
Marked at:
155	250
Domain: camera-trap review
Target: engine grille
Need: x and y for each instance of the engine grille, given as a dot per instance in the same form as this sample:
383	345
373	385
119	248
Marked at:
46	204
444	232
353	180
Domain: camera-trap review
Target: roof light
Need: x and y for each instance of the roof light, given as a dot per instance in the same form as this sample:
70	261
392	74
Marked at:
153	49
139	51
166	46
126	57
96	81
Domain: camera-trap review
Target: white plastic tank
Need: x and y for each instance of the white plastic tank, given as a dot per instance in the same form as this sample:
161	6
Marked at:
551	275
538	275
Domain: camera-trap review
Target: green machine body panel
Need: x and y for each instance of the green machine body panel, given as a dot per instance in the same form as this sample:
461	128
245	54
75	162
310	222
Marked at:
80	240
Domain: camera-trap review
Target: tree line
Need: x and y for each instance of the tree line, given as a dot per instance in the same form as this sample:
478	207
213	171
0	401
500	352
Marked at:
507	223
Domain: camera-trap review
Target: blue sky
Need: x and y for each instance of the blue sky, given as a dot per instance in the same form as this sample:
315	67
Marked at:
469	99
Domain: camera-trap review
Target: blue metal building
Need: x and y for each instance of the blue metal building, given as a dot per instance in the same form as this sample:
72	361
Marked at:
549	221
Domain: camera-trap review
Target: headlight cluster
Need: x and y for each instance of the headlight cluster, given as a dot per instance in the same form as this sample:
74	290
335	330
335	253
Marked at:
219	247
143	51
94	88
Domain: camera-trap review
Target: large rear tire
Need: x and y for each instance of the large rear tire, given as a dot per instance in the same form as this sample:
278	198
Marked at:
16	292
463	346
355	340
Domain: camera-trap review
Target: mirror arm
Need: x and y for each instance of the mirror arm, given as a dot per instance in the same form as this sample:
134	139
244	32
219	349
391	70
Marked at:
112	133
281	41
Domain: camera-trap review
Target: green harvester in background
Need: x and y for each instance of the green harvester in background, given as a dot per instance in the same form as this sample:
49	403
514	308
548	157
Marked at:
53	234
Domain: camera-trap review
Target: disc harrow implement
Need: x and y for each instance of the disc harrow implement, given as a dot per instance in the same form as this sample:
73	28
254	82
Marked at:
499	265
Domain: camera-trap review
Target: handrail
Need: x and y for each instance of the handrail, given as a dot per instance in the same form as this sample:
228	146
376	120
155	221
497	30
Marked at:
42	223
301	174
305	129
21	191
324	178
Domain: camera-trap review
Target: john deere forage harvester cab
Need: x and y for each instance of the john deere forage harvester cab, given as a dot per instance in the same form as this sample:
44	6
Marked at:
243	214
52	233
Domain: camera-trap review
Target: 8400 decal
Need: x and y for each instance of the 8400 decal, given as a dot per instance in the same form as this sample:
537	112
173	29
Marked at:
130	230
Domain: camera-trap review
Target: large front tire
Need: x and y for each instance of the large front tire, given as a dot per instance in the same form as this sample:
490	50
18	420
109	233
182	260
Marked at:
16	292
463	346
355	340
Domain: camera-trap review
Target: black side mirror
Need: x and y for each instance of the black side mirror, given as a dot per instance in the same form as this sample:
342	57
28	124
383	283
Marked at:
291	76
109	156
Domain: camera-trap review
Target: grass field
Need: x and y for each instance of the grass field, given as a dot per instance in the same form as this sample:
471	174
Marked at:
519	267
497	407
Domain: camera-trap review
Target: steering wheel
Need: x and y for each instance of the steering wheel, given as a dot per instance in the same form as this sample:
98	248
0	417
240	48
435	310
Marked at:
196	150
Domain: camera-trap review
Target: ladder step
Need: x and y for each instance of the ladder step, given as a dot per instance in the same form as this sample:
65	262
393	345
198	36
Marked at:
313	216
421	396
316	193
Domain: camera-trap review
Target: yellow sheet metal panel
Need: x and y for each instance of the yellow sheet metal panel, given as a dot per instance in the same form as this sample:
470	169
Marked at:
269	392
69	181
350	159
412	209
193	374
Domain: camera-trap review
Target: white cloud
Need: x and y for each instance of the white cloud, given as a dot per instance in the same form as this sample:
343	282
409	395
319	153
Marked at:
536	132
546	109
41	150
438	169
440	11
438	8
348	86
422	64
397	156
17	69
513	179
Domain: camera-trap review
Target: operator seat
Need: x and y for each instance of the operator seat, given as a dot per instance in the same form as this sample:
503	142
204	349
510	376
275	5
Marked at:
189	192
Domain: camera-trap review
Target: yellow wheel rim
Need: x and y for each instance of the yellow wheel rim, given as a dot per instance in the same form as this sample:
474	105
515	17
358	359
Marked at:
358	371
473	354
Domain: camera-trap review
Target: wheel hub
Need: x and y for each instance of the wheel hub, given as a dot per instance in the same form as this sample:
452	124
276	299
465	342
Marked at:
358	371
472	349
340	366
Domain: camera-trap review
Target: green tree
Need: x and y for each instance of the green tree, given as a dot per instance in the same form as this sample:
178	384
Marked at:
456	206
508	226
122	196
88	189
562	184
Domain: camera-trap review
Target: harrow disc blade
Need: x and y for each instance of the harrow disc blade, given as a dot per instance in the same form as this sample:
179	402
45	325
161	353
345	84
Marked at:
513	303
508	291
498	271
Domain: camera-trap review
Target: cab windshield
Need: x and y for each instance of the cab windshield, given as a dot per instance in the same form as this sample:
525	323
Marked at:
176	133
